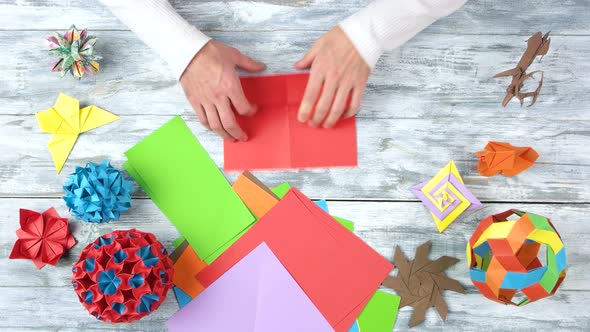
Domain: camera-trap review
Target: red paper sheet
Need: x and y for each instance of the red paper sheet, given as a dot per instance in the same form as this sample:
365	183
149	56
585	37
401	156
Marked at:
336	269
277	140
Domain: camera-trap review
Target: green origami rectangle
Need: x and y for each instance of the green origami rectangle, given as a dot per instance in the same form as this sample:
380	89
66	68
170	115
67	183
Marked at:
176	243
380	313
172	167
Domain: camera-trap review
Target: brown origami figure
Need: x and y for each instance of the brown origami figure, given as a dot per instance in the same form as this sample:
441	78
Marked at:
421	282
537	45
500	157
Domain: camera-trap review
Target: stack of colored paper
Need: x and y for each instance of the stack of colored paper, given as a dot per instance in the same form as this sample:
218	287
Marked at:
186	266
272	260
336	270
256	294
177	173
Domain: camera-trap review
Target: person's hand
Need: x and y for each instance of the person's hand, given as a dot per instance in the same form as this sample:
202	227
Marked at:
337	70
212	86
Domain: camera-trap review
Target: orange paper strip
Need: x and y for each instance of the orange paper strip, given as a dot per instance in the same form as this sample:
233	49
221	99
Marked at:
187	265
257	197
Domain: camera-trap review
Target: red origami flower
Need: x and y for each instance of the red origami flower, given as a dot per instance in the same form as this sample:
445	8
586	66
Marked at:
42	237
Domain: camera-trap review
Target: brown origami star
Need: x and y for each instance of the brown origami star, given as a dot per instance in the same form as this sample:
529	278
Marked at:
421	282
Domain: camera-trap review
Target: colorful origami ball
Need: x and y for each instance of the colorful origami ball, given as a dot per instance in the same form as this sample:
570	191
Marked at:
42	237
123	276
502	257
446	196
75	52
97	193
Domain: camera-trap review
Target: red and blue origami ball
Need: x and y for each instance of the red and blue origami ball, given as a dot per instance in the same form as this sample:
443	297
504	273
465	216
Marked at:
123	276
503	258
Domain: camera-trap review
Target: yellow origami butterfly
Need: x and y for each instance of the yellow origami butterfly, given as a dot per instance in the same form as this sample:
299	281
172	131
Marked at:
65	121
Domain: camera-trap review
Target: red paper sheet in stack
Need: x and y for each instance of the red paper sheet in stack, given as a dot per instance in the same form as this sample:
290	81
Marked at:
335	269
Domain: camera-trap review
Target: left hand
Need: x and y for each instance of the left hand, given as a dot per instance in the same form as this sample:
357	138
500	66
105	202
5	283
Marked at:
337	70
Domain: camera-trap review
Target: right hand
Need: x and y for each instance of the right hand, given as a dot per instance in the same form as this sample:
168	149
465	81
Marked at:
211	85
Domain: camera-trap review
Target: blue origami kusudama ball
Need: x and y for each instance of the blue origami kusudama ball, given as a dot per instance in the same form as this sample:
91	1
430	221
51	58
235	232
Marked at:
97	193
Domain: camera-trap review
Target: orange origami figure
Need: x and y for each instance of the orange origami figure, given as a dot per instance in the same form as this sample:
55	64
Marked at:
500	157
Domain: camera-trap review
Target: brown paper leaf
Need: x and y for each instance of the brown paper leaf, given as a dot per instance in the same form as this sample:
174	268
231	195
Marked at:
421	282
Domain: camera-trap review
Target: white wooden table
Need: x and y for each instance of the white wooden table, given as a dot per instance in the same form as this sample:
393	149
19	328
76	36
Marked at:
428	102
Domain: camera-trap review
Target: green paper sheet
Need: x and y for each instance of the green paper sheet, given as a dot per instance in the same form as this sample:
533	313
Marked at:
282	189
380	313
172	167
346	223
176	243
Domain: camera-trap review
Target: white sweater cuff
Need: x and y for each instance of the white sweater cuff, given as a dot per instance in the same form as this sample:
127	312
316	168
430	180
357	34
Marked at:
386	24
362	38
186	47
158	25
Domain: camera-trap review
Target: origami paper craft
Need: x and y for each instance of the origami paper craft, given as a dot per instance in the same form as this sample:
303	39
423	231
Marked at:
177	173
256	294
42	237
537	45
446	196
65	121
420	282
500	157
277	140
75	50
186	266
97	193
315	249
123	276
502	257
379	315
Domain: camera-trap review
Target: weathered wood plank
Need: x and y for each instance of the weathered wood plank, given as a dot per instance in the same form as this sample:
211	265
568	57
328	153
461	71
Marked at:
28	292
394	154
476	17
381	224
437	76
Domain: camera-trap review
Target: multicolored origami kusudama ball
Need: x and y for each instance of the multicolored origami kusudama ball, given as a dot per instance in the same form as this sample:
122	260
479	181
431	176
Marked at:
98	193
75	52
123	276
502	256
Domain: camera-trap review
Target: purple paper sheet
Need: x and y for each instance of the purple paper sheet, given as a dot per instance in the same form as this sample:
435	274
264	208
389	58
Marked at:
257	294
